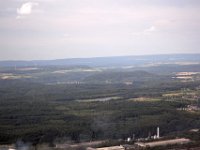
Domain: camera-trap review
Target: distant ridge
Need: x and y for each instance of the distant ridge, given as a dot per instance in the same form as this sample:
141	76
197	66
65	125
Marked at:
107	61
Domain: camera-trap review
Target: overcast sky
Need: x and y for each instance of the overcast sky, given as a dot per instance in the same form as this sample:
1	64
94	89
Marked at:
53	29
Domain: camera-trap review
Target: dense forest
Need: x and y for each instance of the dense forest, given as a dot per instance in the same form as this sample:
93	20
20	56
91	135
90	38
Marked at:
83	103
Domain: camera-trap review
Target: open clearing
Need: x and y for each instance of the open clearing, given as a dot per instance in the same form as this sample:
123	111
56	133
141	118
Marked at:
144	99
6	76
100	99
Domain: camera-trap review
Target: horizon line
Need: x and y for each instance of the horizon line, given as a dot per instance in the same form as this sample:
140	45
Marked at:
27	60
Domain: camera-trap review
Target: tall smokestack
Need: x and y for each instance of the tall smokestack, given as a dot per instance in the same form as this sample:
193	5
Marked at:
158	132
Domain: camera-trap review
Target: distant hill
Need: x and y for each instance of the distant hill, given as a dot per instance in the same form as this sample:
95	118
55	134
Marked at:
108	61
122	77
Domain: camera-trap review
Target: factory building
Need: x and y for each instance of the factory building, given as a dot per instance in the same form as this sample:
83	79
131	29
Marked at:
108	148
163	143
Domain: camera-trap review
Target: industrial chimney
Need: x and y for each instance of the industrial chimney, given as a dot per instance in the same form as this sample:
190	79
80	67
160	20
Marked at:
158	132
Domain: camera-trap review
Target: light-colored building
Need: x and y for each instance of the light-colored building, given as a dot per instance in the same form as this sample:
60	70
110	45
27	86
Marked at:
108	148
163	143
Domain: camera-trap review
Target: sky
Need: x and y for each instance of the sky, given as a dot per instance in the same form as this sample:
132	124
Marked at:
54	29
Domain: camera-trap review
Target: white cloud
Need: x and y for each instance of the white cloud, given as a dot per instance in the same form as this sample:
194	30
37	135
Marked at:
151	29
145	32
26	9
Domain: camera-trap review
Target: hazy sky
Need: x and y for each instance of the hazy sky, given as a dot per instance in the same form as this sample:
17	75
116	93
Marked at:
52	29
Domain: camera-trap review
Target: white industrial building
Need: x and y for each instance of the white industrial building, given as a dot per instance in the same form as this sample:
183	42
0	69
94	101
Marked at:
108	148
163	143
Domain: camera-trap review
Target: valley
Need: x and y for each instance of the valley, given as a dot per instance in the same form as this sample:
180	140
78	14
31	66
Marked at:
54	105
